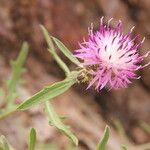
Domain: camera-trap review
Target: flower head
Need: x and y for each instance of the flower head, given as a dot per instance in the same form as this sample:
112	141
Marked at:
110	56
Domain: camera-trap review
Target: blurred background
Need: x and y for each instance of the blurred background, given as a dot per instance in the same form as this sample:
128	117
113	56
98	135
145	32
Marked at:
87	111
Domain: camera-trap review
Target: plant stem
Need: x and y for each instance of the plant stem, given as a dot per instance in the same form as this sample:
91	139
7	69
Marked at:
52	50
8	113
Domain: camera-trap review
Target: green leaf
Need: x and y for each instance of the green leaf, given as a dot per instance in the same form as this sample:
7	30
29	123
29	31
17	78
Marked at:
50	92
32	139
17	69
123	148
48	39
103	142
57	122
66	51
4	143
52	50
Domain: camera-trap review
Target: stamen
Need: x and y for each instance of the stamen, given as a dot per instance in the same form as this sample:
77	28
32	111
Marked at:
132	28
112	51
109	21
102	18
105	48
90	30
109	57
113	40
143	40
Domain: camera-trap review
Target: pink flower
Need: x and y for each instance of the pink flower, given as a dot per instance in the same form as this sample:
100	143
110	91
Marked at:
110	57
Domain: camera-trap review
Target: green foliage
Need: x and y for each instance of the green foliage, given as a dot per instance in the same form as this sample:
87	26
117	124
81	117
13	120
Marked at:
57	122
51	49
17	69
123	148
32	139
47	93
4	144
50	92
103	142
66	51
10	94
6	112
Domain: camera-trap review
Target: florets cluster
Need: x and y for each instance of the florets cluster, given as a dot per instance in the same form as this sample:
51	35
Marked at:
112	56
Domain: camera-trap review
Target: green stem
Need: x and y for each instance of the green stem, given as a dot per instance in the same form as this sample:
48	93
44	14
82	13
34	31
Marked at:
52	50
61	64
8	113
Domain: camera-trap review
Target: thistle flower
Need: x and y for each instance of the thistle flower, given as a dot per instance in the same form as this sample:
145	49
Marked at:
110	56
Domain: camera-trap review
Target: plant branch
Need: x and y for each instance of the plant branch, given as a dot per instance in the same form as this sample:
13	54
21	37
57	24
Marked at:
8	113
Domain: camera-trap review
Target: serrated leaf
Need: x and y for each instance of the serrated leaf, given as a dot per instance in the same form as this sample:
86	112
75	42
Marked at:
32	139
17	69
66	51
49	92
103	142
57	122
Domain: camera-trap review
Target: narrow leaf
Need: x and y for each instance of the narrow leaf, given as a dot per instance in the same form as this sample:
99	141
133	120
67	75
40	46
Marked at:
4	143
32	139
52	50
123	148
103	142
47	93
66	51
48	39
57	122
17	69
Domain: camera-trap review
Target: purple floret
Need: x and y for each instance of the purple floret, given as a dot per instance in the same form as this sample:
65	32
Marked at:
115	55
